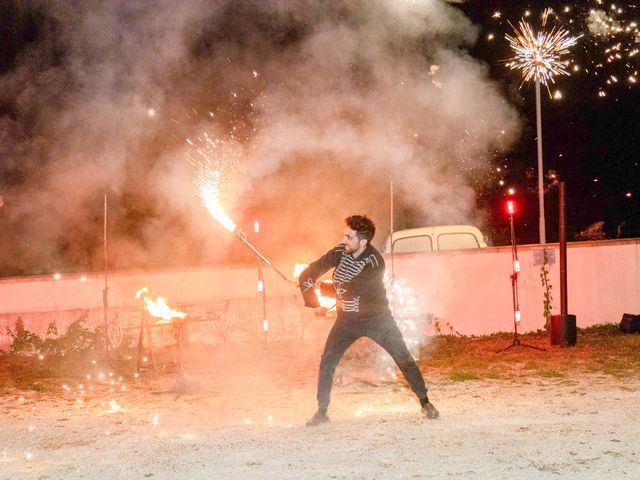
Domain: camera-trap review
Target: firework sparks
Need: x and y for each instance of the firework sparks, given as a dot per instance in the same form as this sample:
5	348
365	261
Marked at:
210	179
407	311
214	160
209	194
538	55
114	406
611	35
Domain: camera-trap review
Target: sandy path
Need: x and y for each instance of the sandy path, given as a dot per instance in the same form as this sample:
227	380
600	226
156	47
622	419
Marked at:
249	425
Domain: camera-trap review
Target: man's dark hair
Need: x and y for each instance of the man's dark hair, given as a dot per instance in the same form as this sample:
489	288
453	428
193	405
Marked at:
363	226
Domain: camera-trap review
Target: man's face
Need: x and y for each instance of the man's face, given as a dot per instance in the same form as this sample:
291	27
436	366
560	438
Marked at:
351	241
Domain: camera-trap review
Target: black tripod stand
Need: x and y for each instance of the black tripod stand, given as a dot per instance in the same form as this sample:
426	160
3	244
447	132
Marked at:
514	285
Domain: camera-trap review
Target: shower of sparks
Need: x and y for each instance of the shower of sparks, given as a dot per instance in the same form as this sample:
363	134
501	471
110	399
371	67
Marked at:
209	193
209	182
538	55
213	159
407	312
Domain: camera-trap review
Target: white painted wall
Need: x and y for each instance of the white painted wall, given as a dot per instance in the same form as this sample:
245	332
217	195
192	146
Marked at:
468	291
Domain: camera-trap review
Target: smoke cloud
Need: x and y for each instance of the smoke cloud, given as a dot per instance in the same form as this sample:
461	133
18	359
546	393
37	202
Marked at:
314	108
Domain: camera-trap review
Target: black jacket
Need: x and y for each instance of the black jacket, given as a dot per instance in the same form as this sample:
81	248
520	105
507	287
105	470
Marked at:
358	283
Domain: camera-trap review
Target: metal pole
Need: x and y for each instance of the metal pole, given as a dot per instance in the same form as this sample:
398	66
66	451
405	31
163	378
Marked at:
541	223
105	291
563	253
243	236
391	230
514	278
265	322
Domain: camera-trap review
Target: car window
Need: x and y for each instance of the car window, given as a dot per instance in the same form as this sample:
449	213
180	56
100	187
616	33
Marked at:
455	241
421	243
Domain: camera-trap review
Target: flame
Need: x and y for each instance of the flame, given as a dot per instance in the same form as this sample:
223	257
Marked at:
298	269
326	302
209	196
159	307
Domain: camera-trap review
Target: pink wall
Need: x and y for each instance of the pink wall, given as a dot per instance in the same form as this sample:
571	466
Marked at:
468	291
471	290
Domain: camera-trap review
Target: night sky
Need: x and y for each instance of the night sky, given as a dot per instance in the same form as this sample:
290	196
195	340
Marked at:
589	141
316	106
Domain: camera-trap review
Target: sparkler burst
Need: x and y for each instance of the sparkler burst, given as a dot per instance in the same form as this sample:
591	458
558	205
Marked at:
209	193
538	54
213	159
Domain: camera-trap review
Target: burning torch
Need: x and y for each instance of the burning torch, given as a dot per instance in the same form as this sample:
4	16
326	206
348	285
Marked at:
208	194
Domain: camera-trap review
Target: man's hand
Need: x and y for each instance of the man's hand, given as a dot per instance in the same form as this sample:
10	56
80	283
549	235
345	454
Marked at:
320	312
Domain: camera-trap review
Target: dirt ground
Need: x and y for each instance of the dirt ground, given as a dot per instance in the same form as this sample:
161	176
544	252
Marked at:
242	417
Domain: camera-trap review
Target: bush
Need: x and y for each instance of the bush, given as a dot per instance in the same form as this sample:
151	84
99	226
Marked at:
77	339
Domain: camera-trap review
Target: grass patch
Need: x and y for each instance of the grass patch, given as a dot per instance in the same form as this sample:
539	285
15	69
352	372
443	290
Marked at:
463	376
600	350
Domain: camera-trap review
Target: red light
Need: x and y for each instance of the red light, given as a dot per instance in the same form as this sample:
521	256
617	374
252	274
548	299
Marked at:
511	207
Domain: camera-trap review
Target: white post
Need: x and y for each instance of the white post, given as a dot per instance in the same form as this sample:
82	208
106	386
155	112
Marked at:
541	224
391	231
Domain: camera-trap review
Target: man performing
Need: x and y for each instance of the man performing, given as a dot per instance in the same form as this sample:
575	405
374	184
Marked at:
363	311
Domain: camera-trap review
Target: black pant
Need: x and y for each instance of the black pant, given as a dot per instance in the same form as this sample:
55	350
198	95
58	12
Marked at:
385	332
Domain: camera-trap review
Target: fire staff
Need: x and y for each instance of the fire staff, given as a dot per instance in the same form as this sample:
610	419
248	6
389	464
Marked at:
362	311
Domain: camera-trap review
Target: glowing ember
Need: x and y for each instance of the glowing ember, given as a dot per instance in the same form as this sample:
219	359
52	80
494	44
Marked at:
158	308
114	405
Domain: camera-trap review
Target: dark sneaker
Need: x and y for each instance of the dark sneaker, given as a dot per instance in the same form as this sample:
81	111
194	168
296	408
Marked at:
318	419
429	411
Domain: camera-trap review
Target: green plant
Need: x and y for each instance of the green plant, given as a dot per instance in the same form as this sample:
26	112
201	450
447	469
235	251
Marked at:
547	298
438	326
77	339
24	341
